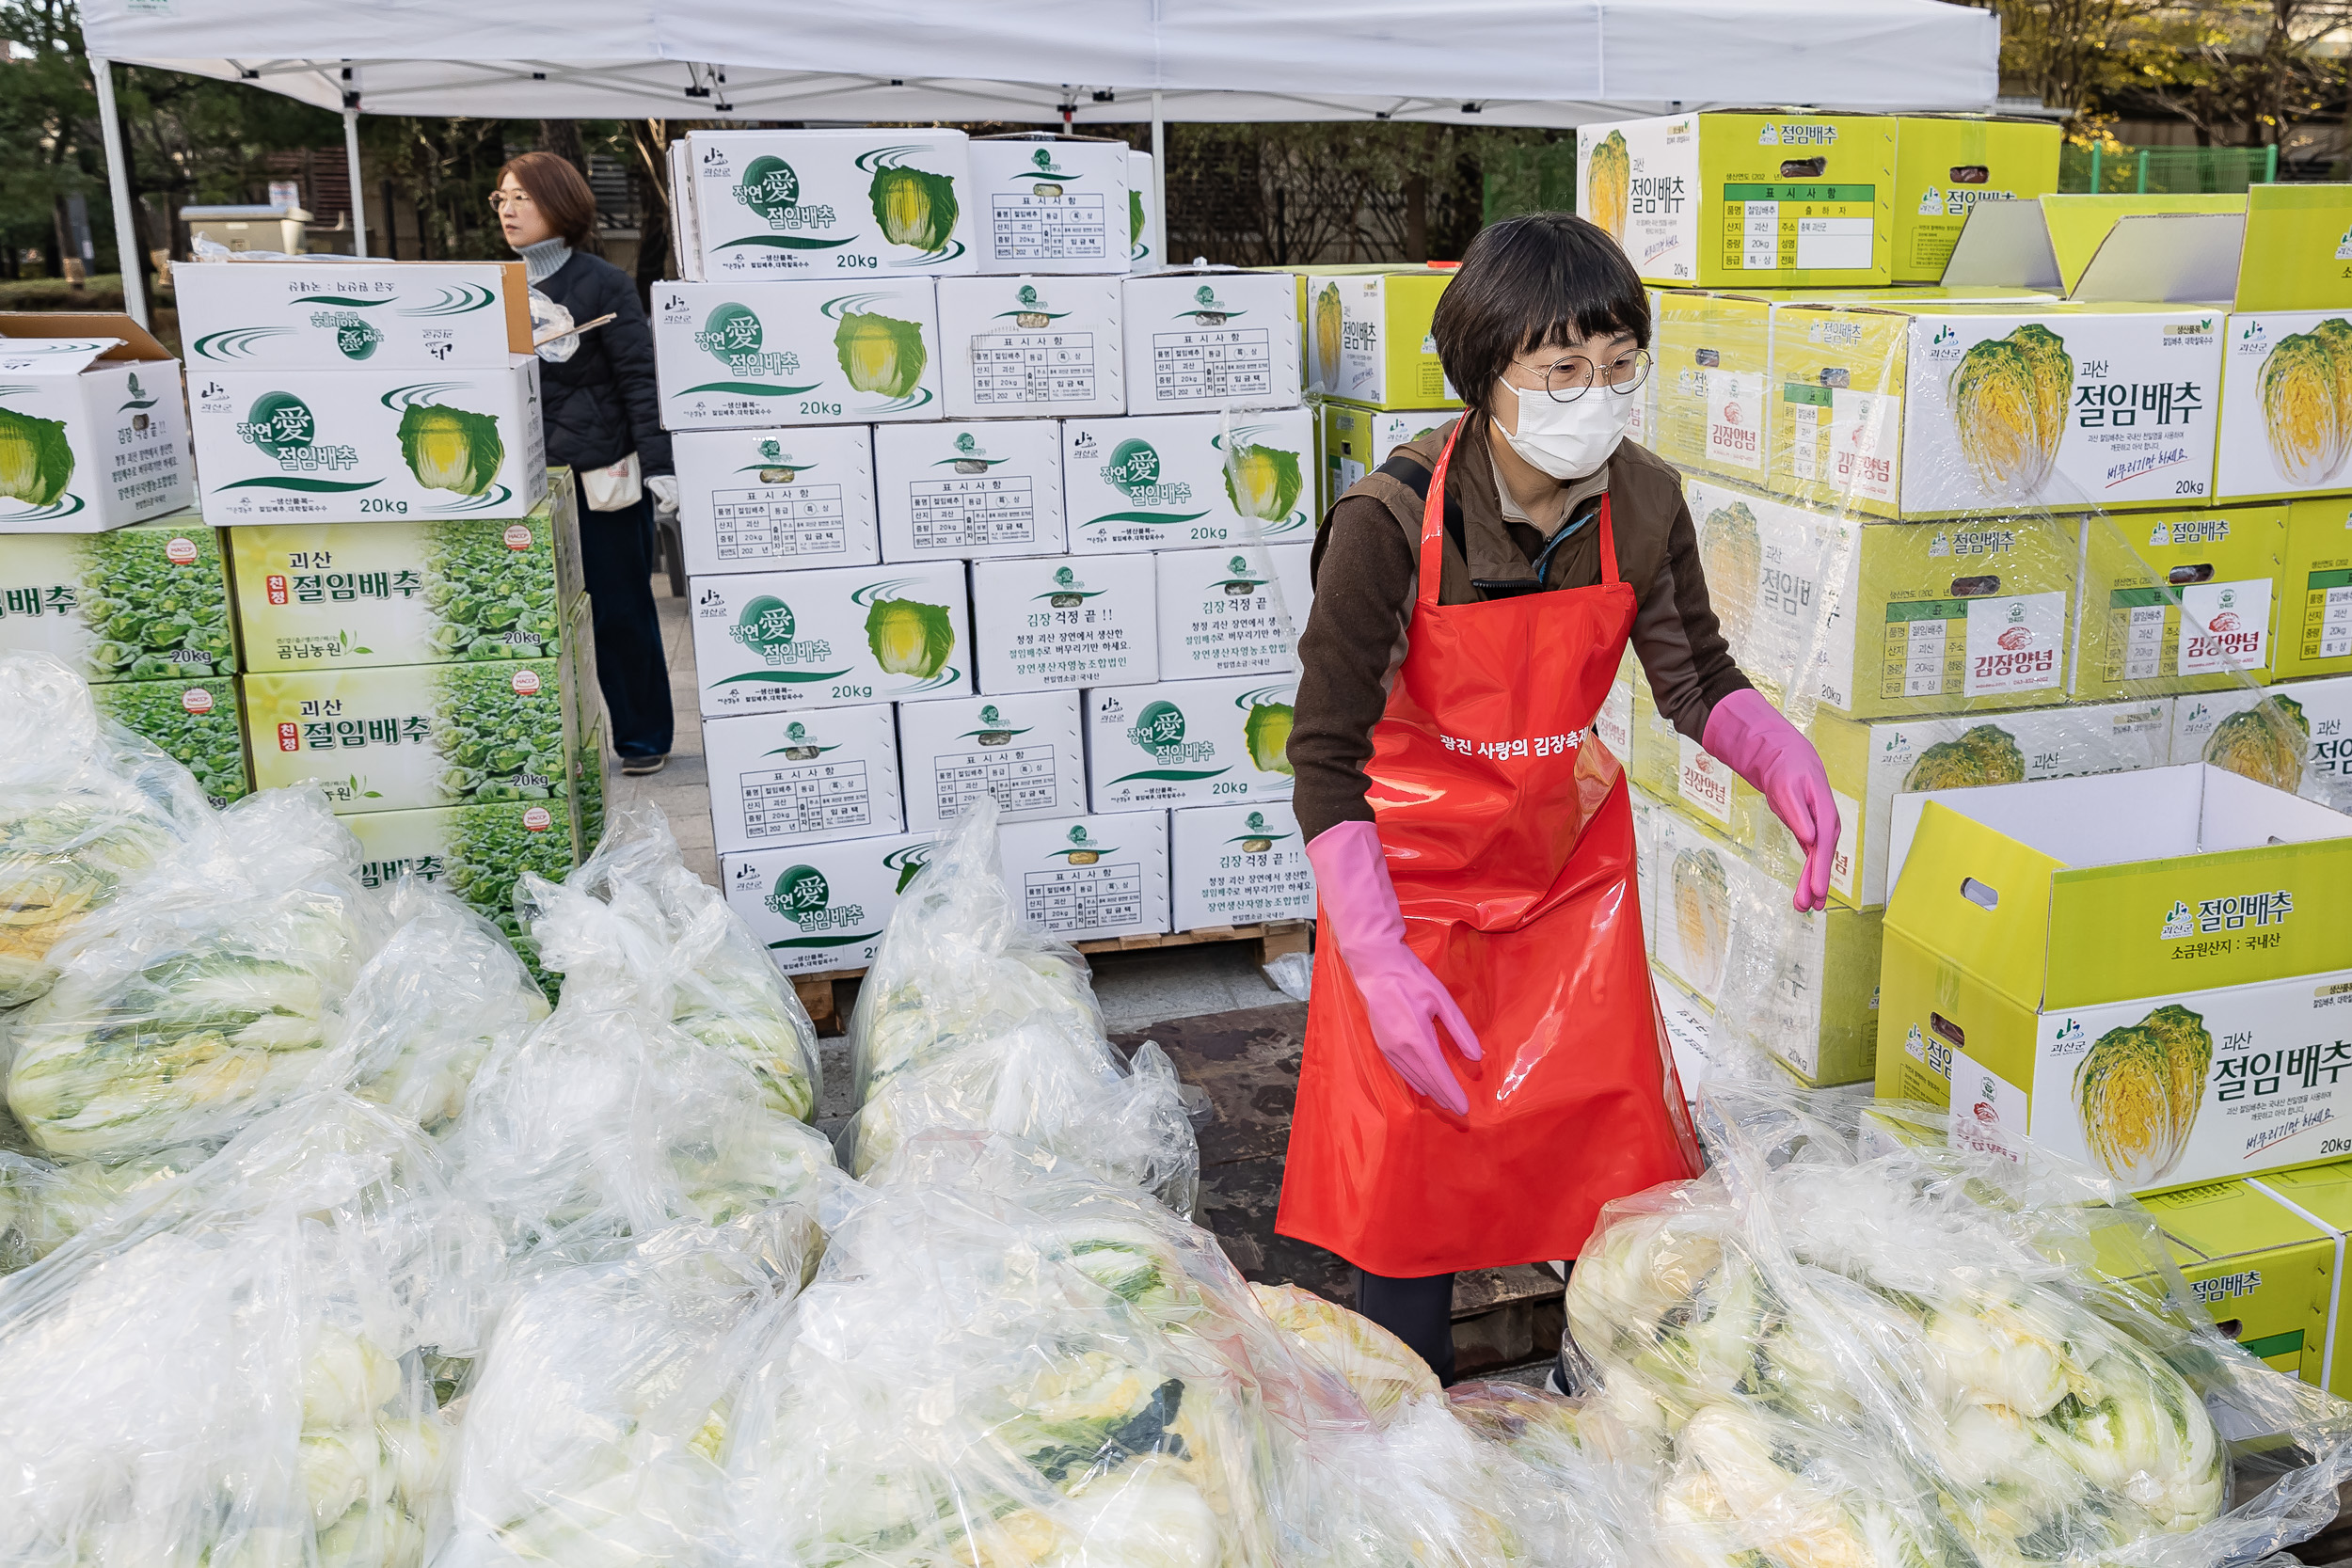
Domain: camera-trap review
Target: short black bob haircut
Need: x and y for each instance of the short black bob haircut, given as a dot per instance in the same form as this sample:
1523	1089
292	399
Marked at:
1542	278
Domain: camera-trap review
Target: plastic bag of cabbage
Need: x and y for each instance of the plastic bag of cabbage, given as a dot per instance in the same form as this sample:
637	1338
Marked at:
1855	1343
972	1020
227	1372
638	930
201	993
591	1434
84	804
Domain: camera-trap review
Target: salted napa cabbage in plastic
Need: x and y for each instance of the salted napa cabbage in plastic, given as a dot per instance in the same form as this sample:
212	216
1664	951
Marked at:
972	1021
632	928
1378	1368
85	807
451	448
915	207
595	1422
200	995
36	459
910	638
1861	1340
229	1364
881	354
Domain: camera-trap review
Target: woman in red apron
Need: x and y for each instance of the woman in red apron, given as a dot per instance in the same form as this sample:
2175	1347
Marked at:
1485	1063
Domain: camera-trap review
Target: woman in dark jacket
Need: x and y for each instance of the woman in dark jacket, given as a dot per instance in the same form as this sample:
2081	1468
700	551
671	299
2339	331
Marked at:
599	405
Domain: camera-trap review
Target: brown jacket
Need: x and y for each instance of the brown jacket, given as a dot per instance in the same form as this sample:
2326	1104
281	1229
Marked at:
1366	574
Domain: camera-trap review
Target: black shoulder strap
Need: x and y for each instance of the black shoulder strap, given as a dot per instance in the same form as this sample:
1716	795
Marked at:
1411	474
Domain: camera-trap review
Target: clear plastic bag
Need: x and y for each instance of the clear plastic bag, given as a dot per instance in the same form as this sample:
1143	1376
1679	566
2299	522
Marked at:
636	928
592	1432
442	994
971	1020
228	1369
200	994
1855	1340
85	806
602	1124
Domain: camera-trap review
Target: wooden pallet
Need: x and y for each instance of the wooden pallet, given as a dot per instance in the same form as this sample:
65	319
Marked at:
1275	939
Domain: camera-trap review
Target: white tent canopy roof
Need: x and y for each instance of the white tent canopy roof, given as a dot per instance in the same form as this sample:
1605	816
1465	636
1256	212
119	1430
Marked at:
1503	62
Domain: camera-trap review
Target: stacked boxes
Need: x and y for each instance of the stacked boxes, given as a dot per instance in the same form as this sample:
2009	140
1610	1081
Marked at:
994	513
402	567
101	564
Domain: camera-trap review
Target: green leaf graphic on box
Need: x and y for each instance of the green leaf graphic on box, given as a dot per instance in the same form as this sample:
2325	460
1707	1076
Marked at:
1135	217
36	464
879	353
1263	482
1267	733
910	638
913	207
451	448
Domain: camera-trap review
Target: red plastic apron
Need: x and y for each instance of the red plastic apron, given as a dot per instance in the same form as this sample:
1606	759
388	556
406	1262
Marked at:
1509	835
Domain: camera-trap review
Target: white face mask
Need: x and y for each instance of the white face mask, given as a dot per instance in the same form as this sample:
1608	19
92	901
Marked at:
1568	440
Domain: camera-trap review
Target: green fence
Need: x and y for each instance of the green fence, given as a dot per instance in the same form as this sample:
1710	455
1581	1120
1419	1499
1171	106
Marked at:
2173	170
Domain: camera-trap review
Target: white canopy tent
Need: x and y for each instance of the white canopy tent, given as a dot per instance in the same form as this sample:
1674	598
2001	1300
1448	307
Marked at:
1071	62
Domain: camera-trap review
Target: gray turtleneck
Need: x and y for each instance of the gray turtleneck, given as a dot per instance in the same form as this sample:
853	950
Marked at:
543	261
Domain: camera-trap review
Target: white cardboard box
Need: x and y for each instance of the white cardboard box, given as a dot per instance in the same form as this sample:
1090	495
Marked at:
816	907
1233	611
1050	204
766	500
1143	215
1024	749
767	640
100	421
803	778
1238	865
1053	622
1031	347
1165	481
968	491
832	204
1090	878
1206	338
846	350
1189	742
355	446
336	313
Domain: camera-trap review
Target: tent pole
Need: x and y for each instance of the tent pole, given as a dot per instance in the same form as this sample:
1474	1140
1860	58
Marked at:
132	264
1159	176
359	199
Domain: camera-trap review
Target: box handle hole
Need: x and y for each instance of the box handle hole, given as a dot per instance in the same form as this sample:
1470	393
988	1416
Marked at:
1970	174
1979	893
1946	1028
1975	588
2181	576
1803	169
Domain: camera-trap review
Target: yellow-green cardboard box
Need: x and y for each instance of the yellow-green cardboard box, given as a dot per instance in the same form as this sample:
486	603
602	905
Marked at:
2315	590
1747	198
1367	337
1713	355
2142	972
2323	1196
1944	165
2265	1272
2177	601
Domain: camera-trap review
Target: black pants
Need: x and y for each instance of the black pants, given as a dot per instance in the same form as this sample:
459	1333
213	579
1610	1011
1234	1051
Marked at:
616	555
1418	1311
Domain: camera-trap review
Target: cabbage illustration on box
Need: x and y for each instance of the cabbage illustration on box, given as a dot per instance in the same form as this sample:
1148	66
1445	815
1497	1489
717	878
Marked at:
1168	482
2139	970
1182	742
826	639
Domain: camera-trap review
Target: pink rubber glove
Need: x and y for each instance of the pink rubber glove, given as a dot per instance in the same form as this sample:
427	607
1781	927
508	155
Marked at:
1400	994
1749	737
